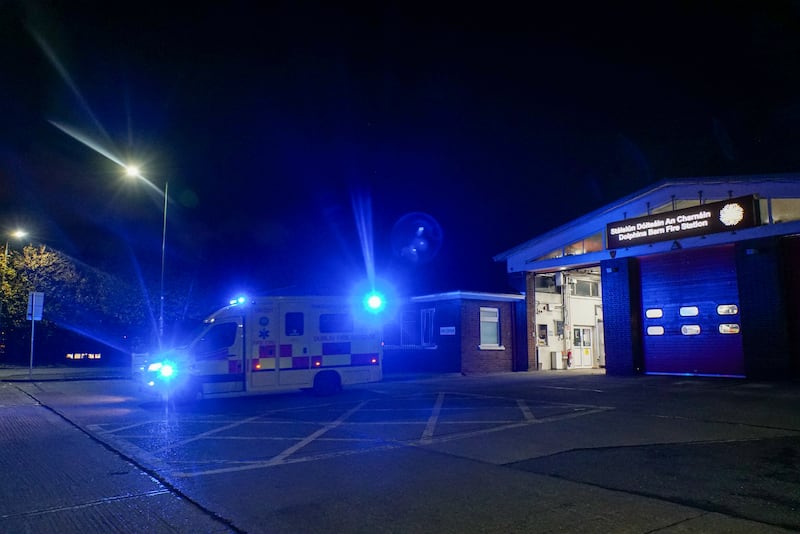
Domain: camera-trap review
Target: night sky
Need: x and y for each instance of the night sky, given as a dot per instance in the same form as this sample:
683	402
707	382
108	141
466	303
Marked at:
280	125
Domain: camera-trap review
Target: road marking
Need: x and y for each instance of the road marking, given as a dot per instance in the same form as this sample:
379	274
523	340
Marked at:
330	426
526	411
440	417
206	434
427	436
572	389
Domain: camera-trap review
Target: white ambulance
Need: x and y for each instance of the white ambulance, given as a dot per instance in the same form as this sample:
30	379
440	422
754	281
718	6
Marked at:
269	344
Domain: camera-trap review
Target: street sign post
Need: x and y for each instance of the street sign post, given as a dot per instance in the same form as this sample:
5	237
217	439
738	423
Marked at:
35	306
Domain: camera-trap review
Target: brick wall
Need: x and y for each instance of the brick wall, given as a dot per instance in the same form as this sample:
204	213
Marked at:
622	316
762	292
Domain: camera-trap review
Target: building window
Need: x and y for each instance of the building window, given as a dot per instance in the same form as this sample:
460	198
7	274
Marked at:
654	313
586	288
545	284
727	309
414	328
426	324
490	328
409	328
542	334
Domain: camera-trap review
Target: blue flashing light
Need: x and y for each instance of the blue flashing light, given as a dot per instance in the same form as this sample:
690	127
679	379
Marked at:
374	302
238	300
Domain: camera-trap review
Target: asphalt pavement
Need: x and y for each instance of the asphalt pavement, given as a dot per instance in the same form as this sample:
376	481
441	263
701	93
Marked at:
57	478
60	478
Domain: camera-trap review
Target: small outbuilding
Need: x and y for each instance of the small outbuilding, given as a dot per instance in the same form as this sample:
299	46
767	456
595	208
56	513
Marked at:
457	332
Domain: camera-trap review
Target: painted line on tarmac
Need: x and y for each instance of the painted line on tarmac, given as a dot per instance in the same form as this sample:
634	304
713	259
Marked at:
427	435
330	426
290	456
282	457
550	419
526	411
571	389
206	434
247	466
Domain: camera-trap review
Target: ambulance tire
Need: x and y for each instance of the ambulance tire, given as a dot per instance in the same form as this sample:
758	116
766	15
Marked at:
327	383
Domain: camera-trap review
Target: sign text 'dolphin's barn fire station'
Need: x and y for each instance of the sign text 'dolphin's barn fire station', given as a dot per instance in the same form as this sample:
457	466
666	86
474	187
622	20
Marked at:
724	216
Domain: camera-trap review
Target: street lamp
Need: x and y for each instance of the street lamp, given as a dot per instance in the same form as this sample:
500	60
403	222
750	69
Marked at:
16	234
133	171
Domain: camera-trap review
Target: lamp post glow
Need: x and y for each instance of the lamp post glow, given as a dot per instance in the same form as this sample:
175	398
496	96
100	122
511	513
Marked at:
16	234
134	172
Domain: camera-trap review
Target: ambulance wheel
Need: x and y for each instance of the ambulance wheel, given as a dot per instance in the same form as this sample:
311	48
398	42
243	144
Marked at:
327	383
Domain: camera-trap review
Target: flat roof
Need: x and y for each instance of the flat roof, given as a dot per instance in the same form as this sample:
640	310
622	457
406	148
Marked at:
468	295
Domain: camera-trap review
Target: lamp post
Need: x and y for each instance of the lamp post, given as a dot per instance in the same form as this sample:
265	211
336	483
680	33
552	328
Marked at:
133	172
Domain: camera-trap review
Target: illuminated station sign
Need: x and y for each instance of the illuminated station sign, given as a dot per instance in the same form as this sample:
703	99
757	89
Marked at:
725	216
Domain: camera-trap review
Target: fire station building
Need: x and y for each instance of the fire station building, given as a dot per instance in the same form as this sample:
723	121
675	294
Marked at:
691	276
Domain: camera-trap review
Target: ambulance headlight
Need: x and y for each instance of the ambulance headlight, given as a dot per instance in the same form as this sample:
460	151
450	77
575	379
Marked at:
164	370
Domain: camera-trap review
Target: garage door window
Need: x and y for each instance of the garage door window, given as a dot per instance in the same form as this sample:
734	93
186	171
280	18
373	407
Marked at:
690	330
729	328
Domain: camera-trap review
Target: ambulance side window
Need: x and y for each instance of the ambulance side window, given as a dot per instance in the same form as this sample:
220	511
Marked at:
220	337
293	322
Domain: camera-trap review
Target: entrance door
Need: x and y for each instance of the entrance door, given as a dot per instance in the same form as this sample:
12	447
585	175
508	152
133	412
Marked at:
582	354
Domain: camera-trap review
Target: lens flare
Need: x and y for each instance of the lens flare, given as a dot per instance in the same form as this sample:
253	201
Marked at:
416	237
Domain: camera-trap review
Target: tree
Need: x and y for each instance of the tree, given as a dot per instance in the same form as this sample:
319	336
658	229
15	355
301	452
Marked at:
83	303
80	302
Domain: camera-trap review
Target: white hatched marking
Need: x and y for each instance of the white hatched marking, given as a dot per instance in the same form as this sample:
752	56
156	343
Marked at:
526	411
427	436
330	426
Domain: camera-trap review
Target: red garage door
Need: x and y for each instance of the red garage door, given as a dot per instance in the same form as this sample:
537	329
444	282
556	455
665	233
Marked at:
690	313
